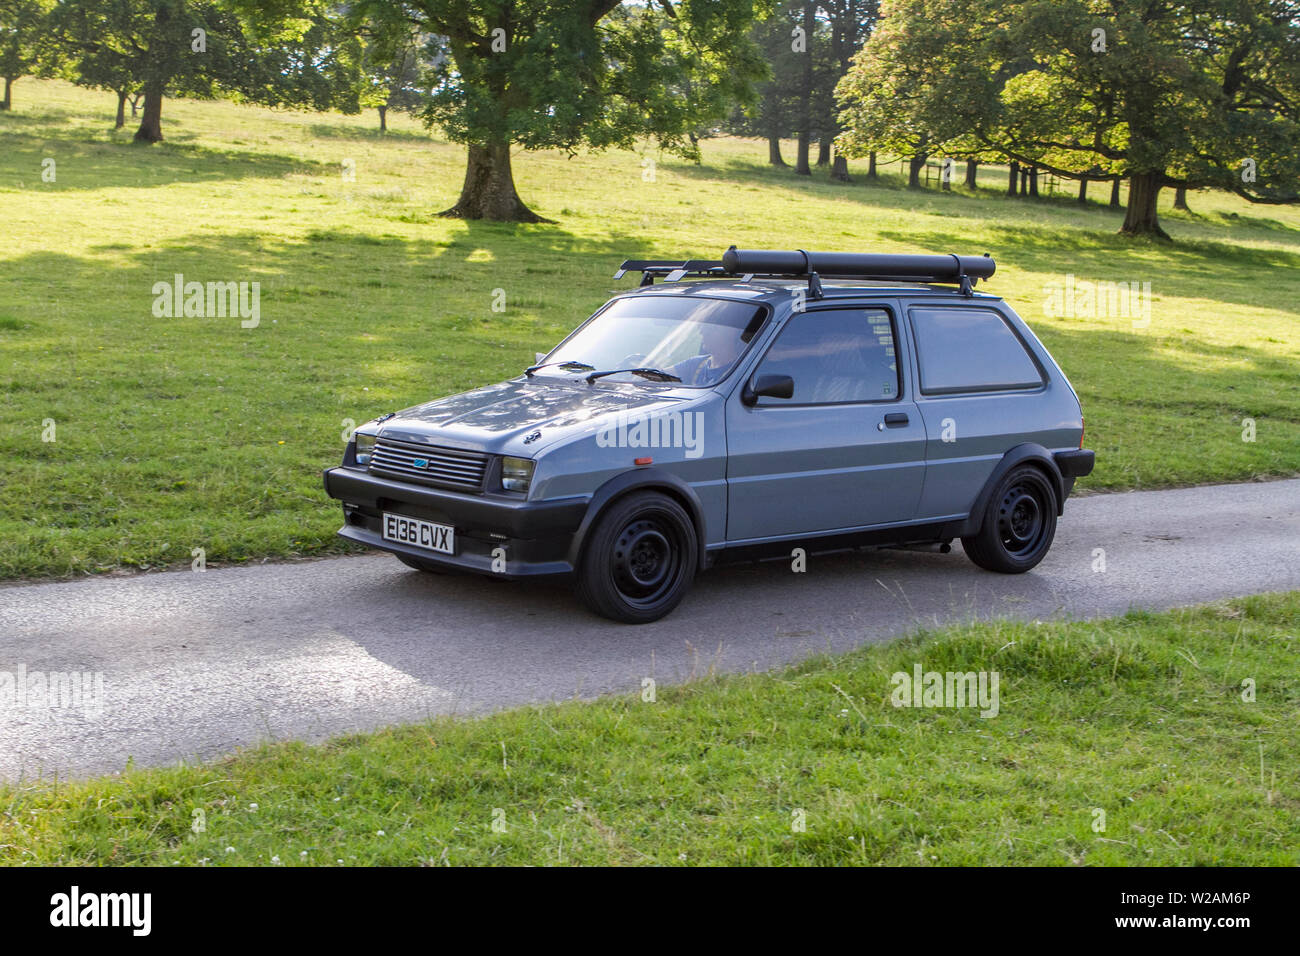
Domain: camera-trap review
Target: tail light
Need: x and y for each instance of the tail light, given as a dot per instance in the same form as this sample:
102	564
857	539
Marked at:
1083	425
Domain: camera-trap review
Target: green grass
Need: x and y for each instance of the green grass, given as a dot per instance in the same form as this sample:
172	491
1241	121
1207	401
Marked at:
175	434
1140	717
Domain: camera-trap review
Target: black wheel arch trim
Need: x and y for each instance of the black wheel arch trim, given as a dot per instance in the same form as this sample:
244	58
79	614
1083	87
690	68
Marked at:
1027	452
647	479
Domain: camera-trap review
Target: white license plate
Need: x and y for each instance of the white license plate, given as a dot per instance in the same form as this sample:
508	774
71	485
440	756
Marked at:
421	534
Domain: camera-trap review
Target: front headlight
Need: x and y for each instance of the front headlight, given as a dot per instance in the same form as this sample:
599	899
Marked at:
365	446
516	474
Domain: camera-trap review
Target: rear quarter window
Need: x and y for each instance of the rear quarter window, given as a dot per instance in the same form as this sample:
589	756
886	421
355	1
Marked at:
970	350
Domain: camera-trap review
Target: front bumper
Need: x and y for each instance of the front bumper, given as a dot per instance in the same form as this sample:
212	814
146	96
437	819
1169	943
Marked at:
536	535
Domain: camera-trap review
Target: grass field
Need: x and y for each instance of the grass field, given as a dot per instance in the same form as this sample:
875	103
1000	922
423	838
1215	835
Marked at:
1119	742
179	433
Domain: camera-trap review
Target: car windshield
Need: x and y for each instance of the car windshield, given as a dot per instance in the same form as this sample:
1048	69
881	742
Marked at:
696	339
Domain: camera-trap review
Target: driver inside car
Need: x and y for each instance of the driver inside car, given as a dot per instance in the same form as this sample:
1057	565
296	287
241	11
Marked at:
720	346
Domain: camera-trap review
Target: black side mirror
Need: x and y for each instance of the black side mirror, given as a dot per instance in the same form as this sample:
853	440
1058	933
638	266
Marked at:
768	386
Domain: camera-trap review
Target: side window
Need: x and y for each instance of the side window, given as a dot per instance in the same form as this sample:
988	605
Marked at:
835	355
970	350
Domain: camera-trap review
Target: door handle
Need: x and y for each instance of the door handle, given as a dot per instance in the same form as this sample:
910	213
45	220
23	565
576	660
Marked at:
896	419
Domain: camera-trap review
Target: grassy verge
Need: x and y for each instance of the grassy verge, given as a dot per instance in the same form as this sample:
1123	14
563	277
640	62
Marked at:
1138	723
173	434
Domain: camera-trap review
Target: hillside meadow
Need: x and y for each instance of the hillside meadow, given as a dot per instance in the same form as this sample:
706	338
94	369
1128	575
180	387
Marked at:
172	434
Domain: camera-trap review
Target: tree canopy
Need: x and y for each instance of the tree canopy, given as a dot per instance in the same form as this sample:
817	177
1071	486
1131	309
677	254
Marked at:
1196	94
23	35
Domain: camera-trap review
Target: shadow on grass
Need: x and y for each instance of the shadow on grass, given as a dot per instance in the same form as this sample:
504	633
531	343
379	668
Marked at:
346	131
1219	271
83	164
989	202
22	120
329	270
1219	218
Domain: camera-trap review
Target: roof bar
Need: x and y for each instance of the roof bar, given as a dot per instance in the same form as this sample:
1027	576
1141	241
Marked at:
671	269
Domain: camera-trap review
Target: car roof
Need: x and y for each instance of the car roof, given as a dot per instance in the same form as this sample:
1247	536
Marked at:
771	290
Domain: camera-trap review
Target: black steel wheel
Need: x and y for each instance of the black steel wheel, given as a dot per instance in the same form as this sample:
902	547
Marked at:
1019	523
639	558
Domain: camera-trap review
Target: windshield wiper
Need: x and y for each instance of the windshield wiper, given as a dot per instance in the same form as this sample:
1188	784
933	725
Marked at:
655	373
575	366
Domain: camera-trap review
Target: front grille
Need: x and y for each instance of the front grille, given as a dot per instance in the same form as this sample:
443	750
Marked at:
449	467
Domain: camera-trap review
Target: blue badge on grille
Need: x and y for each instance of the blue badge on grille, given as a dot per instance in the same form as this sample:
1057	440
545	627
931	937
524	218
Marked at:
420	463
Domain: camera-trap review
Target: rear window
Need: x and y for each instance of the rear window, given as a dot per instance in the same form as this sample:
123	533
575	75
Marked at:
970	350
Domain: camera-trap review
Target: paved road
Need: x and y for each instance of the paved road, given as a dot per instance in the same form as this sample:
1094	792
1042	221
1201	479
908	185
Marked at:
195	665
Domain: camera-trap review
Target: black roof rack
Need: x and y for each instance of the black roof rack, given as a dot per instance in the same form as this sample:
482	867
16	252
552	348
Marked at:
670	269
965	271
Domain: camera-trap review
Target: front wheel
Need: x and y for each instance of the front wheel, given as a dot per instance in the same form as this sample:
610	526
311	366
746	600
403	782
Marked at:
1019	523
639	559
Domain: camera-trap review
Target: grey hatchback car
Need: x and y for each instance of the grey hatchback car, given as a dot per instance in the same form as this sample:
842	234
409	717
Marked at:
737	410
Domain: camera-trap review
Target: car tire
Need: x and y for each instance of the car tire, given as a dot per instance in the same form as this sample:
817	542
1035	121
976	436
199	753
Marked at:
639	559
1019	523
426	566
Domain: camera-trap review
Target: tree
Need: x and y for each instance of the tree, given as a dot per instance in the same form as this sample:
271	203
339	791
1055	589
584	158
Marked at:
770	115
23	27
290	54
95	52
395	61
561	74
808	28
1161	94
1198	94
851	24
914	87
394	83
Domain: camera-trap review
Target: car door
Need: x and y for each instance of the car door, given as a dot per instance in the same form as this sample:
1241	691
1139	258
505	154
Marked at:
846	450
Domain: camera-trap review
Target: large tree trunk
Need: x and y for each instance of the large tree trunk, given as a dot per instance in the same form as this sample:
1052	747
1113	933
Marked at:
150	130
840	169
971	167
1083	191
801	167
824	151
914	167
1114	193
489	188
383	119
1033	181
7	102
871	164
774	151
121	109
1140	218
1014	178
1180	198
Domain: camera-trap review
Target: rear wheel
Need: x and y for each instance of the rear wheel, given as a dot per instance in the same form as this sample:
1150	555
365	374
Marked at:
639	559
1019	523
